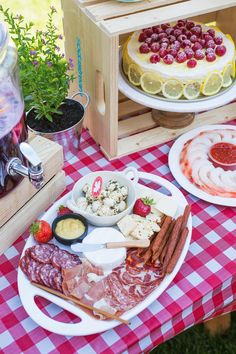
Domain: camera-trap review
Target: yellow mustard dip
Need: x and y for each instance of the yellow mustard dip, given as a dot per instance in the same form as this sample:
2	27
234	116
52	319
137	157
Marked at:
70	228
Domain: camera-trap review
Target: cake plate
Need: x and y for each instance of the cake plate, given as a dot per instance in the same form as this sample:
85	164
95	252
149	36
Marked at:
174	114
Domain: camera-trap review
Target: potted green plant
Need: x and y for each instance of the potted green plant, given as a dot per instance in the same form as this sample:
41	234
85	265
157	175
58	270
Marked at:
45	77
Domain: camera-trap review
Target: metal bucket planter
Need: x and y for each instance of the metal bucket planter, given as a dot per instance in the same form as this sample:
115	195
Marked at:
69	138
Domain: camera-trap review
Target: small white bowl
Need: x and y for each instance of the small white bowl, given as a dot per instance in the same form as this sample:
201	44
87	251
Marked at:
122	177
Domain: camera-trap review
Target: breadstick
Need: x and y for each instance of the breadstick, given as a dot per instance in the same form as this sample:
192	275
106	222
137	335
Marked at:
174	236
157	241
177	251
163	243
185	216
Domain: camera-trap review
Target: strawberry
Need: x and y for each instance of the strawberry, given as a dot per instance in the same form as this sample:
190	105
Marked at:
41	231
142	206
62	210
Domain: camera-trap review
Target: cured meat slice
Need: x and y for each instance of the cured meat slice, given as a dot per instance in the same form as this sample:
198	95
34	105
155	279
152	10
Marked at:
32	266
43	253
24	261
80	270
44	274
58	281
53	279
62	259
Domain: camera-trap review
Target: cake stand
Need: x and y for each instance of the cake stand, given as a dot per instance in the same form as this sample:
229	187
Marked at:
175	114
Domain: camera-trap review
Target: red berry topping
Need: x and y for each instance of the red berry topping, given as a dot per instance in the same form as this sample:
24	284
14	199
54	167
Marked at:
157	30
220	50
181	38
144	48
181	57
196	30
186	43
188	34
142	37
162	35
164	45
193	38
199	55
169	31
211	57
211	44
207	37
168	59
164	26
155	47
191	63
162	52
189	52
154	28
182	22
148	32
211	32
176	44
218	40
172	52
154	37
202	42
172	38
190	24
210	50
164	40
154	58
148	40
196	46
177	32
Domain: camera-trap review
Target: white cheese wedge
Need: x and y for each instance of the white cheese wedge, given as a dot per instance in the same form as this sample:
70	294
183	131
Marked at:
105	258
127	225
167	205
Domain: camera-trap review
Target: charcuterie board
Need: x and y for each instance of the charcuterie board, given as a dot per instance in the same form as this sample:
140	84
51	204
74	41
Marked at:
89	325
175	166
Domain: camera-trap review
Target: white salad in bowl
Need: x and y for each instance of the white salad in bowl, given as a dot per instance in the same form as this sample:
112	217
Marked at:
104	197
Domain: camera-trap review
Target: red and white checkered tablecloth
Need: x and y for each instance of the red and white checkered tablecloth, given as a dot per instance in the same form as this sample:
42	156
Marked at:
204	287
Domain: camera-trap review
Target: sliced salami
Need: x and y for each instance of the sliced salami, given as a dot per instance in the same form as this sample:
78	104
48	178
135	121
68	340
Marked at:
32	266
58	282
44	274
62	259
53	274
42	253
24	261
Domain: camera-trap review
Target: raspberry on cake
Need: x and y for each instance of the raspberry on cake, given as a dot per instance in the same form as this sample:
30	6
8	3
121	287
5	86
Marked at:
184	51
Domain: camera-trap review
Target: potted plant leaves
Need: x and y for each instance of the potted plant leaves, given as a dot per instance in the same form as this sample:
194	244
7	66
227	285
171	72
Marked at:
45	77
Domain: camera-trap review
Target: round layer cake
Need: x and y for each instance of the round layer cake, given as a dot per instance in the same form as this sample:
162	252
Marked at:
184	59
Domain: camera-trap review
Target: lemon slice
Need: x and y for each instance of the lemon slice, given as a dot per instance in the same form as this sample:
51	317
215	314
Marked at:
212	84
192	90
233	69
134	74
151	83
126	63
227	75
172	89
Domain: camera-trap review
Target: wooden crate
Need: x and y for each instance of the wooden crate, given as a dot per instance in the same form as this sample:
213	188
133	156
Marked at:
25	203
94	31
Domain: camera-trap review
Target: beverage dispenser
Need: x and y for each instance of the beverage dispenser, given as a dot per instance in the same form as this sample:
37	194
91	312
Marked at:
17	158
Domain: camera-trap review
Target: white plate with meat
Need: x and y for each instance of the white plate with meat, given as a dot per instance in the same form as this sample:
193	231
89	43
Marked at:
193	169
153	286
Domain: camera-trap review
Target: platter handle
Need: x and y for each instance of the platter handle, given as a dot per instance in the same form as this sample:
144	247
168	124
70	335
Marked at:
174	191
131	172
47	322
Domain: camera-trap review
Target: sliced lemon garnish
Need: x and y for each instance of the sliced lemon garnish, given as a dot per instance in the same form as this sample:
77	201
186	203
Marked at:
151	83
227	75
172	89
212	84
233	69
126	63
192	90
134	74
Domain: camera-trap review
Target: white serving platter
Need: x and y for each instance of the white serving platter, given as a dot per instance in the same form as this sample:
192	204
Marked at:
174	165
89	325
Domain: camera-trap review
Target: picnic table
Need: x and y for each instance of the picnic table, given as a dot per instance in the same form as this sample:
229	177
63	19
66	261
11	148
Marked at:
205	286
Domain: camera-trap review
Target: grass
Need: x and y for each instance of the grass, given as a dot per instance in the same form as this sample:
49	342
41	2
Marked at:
194	340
